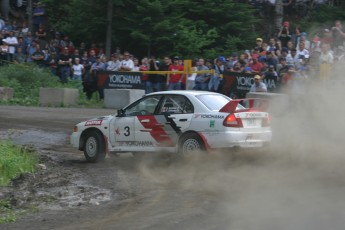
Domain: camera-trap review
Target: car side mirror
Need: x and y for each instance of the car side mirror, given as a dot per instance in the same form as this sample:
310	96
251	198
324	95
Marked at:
120	113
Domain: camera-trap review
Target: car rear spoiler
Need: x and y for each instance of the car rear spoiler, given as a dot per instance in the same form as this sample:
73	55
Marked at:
249	104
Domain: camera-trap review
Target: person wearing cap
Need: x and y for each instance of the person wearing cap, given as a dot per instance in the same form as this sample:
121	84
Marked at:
284	34
174	80
258	44
271	74
258	85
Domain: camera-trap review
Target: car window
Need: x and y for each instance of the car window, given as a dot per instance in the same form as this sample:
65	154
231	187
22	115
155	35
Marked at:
215	102
176	104
146	106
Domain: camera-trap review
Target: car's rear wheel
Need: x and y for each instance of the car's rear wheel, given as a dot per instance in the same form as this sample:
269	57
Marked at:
189	144
94	148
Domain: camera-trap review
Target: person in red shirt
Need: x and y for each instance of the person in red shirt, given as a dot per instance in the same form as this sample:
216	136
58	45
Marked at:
255	65
174	80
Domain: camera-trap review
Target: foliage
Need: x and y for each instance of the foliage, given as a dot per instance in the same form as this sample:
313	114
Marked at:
161	27
7	214
26	80
15	161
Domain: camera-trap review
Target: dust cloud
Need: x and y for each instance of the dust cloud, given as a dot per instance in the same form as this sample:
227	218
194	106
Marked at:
298	183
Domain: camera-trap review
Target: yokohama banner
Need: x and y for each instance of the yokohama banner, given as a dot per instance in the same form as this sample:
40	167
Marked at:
119	80
240	83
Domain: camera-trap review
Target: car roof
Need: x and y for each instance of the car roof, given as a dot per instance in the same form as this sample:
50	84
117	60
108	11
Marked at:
183	92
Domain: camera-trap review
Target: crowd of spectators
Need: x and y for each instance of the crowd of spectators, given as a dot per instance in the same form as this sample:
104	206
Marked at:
283	57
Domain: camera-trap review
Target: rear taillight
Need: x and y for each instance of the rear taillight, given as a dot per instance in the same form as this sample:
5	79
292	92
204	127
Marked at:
266	121
232	121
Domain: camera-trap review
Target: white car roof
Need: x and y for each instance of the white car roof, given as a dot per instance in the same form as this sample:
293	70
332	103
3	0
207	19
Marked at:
184	92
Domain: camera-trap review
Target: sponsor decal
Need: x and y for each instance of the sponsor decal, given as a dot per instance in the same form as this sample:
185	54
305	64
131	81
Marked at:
124	79
254	115
212	122
93	122
209	116
136	143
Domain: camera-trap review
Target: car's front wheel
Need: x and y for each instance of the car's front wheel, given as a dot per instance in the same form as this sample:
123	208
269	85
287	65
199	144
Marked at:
190	143
94	148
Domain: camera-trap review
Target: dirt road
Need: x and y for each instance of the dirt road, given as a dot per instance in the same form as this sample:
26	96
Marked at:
298	185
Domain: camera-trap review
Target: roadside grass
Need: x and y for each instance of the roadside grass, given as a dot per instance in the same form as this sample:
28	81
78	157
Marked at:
14	161
7	214
26	80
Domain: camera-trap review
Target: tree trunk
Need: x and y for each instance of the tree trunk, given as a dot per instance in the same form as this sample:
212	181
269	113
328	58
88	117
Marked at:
278	21
29	12
109	28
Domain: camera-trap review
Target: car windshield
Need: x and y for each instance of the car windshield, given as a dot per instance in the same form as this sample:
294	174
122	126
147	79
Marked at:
215	102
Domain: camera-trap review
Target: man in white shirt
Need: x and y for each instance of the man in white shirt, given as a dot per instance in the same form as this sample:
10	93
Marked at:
127	64
11	41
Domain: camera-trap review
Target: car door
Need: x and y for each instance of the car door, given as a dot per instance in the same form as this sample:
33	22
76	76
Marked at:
127	126
172	117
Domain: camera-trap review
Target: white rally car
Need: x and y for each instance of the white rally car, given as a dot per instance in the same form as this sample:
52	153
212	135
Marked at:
175	121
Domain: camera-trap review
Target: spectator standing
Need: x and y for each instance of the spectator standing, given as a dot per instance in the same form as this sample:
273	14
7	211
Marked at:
282	68
38	56
145	67
215	84
284	34
258	85
325	61
271	74
95	67
105	61
258	45
127	64
19	56
164	66
114	63
77	70
12	42
255	65
202	79
136	65
53	63
30	50
65	63
153	81
38	15
174	80
338	36
271	59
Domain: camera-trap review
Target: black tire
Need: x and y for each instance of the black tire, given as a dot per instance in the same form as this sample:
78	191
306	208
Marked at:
94	148
190	143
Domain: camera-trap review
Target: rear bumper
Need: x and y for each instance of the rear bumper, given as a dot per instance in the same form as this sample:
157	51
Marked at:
240	139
